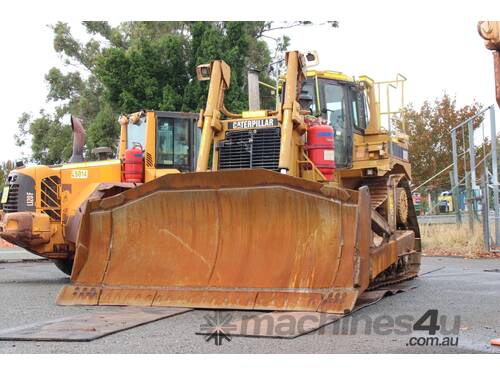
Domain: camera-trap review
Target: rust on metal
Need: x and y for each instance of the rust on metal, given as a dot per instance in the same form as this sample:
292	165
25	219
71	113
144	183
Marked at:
25	229
102	190
245	239
496	59
490	32
289	325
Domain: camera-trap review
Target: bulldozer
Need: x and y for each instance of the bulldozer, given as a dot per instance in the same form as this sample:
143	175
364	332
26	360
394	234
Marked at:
300	208
42	206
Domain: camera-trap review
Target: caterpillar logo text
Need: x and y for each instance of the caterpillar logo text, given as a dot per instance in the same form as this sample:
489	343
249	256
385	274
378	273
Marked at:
258	123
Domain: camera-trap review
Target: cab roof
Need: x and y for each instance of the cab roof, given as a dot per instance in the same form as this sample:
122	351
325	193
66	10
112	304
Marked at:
329	74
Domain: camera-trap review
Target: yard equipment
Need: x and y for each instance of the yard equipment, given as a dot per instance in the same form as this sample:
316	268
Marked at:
445	202
43	205
278	216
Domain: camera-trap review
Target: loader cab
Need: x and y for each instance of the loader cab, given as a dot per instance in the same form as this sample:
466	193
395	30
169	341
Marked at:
340	101
169	141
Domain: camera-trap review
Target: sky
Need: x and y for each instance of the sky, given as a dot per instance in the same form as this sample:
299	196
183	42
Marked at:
435	55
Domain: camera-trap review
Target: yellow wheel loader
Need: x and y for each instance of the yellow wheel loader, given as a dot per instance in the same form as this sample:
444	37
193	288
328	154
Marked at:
263	223
42	206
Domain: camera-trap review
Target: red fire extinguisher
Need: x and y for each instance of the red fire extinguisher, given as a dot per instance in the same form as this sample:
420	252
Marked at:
133	170
320	146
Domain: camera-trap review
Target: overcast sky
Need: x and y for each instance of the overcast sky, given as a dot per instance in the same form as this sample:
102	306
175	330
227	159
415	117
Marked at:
435	55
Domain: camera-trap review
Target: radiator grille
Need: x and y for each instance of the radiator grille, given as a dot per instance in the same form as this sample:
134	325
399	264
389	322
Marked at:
257	148
50	199
12	204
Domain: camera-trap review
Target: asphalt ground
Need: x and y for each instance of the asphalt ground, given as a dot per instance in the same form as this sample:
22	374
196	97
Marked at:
463	291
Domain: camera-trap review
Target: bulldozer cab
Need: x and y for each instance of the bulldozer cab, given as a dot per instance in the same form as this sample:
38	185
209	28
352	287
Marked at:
369	128
342	103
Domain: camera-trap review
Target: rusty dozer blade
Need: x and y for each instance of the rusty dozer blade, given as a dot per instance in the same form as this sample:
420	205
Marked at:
245	239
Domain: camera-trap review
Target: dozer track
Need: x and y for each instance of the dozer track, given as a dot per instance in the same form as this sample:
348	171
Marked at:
378	191
244	239
408	265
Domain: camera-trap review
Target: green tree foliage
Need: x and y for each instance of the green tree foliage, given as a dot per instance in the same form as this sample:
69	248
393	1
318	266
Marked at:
134	66
5	168
430	140
51	141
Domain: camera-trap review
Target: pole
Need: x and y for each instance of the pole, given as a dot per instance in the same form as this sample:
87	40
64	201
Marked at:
494	171
455	198
454	180
485	211
472	154
469	201
429	200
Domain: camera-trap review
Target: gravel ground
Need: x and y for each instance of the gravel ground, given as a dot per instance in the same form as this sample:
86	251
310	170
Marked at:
461	288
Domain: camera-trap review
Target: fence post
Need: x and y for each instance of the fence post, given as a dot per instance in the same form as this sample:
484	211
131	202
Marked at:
494	172
454	198
429	202
485	211
472	154
454	180
470	204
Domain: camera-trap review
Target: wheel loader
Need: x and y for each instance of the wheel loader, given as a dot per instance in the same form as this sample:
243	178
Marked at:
302	208
43	205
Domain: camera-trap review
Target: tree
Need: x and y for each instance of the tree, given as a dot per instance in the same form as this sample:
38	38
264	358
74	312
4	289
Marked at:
5	168
50	138
430	139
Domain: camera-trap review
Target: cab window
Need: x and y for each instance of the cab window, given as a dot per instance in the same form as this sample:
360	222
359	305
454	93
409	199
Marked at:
334	111
136	133
358	109
334	105
307	97
172	143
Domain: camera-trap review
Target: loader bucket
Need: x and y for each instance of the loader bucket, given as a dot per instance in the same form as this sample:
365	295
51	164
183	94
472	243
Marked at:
245	239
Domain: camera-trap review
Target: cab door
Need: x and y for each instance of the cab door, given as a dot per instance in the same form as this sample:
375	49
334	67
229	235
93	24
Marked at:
336	110
177	141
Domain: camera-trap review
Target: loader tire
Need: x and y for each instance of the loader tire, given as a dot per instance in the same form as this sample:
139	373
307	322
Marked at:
64	265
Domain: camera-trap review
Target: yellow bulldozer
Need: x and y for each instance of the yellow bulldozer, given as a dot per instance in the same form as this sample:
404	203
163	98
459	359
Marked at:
42	206
303	207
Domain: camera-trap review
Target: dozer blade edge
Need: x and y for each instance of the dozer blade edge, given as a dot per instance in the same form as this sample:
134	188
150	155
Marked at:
243	239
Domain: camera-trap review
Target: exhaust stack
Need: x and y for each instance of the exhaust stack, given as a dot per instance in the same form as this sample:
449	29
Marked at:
253	90
78	140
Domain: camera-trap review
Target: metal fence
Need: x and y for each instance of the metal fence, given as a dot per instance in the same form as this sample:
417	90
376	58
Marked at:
481	202
489	178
